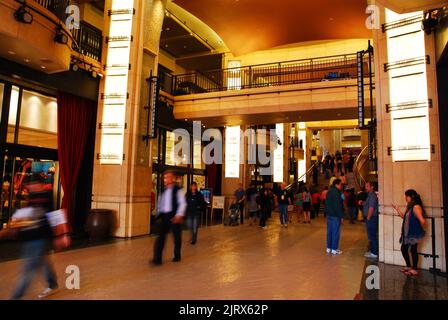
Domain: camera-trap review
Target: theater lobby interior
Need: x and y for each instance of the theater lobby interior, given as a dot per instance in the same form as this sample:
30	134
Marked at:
99	99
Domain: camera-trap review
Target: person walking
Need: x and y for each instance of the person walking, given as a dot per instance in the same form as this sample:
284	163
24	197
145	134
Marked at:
240	196
265	203
334	208
352	206
283	200
346	161
370	213
315	174
412	230
195	206
171	212
38	236
339	161
306	197
253	207
315	201
332	163
299	205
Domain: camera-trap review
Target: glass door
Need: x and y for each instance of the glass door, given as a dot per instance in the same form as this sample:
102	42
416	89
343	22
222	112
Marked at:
18	172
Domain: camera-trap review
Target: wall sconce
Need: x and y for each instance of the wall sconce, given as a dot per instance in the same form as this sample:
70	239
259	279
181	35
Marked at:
23	16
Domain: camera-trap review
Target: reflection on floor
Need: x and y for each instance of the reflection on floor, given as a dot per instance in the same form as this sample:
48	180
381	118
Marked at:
394	285
227	263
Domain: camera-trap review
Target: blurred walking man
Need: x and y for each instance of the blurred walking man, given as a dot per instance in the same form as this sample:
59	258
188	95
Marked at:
171	211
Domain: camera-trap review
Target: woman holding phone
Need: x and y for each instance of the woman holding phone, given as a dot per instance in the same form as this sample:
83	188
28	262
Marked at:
412	230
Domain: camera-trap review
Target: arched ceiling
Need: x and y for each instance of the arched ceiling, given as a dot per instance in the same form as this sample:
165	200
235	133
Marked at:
251	25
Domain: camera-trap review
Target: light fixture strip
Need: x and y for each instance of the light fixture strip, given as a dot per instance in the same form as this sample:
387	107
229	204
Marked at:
115	95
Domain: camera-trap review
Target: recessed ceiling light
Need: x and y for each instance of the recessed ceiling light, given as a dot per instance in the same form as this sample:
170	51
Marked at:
166	46
11	52
43	67
26	60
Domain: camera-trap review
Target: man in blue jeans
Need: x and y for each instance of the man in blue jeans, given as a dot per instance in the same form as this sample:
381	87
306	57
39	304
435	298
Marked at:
334	207
370	213
283	200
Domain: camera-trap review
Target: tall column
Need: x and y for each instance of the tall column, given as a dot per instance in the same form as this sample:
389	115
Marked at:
408	132
122	170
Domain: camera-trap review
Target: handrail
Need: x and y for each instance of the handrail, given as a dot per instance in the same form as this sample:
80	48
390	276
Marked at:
329	68
302	176
358	168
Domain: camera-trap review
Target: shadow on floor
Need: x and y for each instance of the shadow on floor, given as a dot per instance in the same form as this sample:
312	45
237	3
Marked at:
11	250
394	285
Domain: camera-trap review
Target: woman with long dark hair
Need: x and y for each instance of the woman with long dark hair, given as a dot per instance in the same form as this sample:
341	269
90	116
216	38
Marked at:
412	230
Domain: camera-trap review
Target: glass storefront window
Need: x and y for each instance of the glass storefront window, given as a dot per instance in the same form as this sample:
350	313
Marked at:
38	120
17	173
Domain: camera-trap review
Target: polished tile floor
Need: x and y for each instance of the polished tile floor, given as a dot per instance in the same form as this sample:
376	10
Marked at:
396	286
227	263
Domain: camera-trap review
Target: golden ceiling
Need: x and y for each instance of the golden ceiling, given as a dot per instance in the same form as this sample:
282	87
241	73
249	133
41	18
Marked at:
250	25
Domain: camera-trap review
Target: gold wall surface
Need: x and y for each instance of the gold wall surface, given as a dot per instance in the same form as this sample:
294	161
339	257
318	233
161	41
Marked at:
32	44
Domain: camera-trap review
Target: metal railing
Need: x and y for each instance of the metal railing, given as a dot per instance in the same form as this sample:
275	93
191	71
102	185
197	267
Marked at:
266	75
89	40
306	174
360	162
57	7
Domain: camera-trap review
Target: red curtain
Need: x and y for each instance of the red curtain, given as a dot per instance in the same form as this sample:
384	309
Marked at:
75	118
212	171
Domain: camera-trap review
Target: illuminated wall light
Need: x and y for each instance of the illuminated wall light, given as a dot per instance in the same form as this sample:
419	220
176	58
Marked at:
410	128
232	152
116	84
301	166
278	154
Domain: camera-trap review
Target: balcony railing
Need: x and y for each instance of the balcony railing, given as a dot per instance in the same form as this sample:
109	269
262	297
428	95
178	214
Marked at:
57	7
267	75
88	38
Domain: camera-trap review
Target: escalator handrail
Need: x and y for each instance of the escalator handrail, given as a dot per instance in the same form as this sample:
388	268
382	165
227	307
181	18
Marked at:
357	170
302	176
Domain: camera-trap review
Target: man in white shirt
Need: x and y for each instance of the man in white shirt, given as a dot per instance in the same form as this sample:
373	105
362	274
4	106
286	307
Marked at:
171	211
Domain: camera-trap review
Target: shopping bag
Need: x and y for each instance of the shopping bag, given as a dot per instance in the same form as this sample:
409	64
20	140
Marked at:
58	222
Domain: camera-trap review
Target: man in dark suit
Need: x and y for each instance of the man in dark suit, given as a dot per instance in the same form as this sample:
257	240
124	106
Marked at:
171	211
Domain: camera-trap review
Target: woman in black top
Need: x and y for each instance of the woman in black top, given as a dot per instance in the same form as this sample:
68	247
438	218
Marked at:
195	206
265	203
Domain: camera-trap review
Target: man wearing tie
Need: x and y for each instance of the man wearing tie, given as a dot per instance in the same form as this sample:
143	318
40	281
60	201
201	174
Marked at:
171	211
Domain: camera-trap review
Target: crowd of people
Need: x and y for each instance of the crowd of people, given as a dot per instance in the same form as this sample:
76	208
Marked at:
174	206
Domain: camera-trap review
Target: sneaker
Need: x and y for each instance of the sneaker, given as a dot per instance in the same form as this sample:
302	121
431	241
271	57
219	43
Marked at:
336	252
286	226
47	292
264	228
328	250
372	256
176	259
367	254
